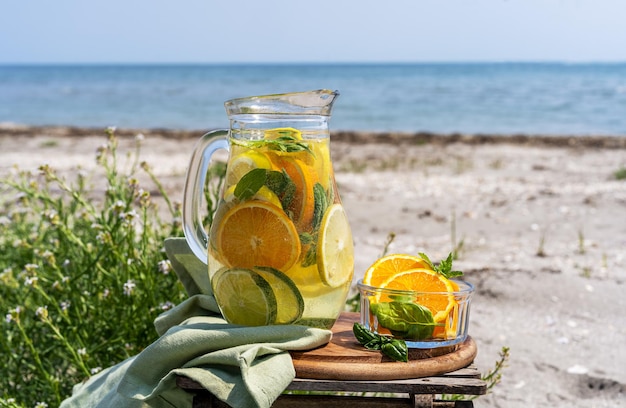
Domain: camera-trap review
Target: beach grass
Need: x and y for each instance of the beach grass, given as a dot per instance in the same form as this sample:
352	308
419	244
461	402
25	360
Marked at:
83	275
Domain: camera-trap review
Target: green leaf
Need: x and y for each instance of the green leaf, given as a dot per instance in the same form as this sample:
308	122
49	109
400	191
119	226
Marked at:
289	192
285	143
276	181
365	336
396	349
408	320
444	268
250	184
320	204
306	238
311	256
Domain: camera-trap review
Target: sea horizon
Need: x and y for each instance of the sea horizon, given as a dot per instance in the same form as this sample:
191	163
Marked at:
497	97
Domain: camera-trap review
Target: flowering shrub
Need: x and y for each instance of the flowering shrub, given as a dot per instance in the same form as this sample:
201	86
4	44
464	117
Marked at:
83	274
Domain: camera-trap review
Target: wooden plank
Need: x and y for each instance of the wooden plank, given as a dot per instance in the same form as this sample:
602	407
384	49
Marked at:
428	385
333	401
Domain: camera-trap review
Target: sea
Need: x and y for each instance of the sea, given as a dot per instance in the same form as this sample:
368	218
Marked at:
487	98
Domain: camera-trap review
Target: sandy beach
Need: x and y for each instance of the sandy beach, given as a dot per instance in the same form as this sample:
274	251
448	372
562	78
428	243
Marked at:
538	221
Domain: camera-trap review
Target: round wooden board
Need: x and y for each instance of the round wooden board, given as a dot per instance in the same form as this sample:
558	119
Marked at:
345	359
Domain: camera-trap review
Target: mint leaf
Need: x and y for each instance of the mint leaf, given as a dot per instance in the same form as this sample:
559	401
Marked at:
284	143
320	205
250	184
282	185
444	268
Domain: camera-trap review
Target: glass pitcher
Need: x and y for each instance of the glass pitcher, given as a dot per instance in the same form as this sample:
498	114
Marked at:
279	249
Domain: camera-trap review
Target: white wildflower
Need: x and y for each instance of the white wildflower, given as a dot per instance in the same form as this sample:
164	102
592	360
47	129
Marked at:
31	281
41	405
165	267
95	370
129	216
129	286
31	267
13	315
118	208
42	312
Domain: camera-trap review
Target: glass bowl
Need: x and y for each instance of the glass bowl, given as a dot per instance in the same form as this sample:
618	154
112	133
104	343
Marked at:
404	314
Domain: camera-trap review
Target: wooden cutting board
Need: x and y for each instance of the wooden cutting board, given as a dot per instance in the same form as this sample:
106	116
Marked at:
345	359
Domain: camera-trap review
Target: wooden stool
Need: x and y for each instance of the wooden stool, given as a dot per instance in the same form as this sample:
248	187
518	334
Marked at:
344	366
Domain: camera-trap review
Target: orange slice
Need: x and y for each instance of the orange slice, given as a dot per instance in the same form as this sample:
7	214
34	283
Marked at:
256	233
435	290
391	265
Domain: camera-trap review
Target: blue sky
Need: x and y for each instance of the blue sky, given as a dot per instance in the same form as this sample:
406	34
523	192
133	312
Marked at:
206	31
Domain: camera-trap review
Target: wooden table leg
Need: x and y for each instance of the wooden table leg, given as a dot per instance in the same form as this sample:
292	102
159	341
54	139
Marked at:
422	400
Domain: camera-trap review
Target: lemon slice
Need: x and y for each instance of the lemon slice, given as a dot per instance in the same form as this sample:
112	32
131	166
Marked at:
243	163
264	194
335	250
244	297
290	303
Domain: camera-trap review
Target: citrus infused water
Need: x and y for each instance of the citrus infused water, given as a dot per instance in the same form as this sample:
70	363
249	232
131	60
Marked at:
280	248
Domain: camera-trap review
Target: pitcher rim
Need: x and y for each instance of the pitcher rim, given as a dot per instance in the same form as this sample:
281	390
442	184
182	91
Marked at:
317	102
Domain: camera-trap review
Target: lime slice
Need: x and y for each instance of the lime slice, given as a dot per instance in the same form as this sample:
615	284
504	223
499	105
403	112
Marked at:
290	303
241	164
335	250
244	297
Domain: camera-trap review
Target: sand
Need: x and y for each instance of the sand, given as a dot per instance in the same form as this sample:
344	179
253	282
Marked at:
539	223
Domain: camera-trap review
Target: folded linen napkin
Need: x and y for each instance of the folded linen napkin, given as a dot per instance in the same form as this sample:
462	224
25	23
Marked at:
242	366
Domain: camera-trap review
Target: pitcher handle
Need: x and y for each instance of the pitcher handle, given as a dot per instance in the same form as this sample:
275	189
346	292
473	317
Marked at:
197	238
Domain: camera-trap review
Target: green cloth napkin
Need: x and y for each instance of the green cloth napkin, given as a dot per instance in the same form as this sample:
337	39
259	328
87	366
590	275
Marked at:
242	366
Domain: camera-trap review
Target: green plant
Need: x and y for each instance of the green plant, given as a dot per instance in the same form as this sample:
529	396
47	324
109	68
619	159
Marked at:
581	242
457	246
82	274
620	174
491	377
49	143
494	376
541	247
